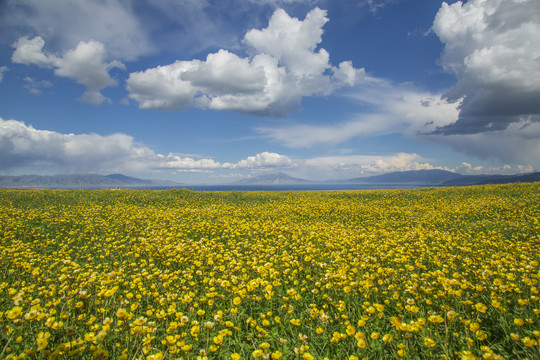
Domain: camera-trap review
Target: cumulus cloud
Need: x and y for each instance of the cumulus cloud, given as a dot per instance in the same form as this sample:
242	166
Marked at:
86	64
65	22
22	147
492	47
263	160
284	65
30	52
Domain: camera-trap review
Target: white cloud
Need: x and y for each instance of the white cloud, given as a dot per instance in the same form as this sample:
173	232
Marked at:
178	162
35	86
67	23
262	161
293	42
3	69
30	52
492	47
469	169
397	109
23	147
350	166
376	5
284	66
86	64
226	73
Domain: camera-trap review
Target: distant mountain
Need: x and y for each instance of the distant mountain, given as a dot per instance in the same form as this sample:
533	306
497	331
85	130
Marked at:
493	179
443	178
423	177
418	177
415	177
77	181
272	179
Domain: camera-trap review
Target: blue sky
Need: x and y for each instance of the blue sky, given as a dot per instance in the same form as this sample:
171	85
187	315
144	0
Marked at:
207	91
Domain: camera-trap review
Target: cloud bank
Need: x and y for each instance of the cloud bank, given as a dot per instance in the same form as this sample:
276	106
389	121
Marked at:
284	65
23	147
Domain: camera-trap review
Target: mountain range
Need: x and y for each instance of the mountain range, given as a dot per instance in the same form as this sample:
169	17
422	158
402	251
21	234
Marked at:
78	181
416	177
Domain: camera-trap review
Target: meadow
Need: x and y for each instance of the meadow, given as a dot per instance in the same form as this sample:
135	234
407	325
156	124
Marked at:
437	273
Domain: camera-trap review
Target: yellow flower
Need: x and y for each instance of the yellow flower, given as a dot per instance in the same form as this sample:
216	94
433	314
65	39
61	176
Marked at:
277	355
170	339
90	337
429	342
481	307
187	347
121	313
437	319
387	338
41	343
361	344
209	325
110	292
528	342
237	300
295	322
14	313
156	356
450	315
519	322
467	355
481	335
257	353
235	356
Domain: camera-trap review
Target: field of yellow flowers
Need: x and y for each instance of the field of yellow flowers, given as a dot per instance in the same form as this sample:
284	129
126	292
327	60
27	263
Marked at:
438	273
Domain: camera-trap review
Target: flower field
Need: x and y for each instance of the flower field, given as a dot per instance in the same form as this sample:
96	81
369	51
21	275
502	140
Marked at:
438	273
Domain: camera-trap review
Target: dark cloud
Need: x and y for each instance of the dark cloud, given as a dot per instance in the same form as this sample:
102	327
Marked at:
492	47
